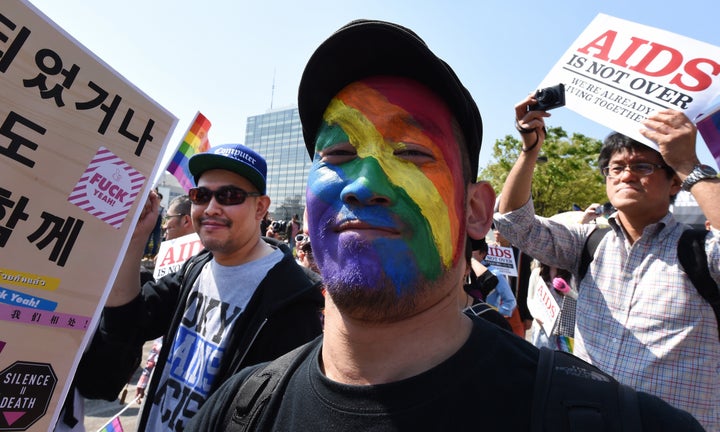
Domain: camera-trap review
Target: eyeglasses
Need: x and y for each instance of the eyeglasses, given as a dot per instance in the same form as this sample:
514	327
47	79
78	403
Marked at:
301	238
224	195
169	216
641	169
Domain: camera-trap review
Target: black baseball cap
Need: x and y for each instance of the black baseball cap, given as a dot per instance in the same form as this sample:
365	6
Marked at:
365	48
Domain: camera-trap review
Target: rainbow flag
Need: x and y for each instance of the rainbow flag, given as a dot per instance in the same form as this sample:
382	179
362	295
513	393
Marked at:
709	127
565	343
113	426
196	141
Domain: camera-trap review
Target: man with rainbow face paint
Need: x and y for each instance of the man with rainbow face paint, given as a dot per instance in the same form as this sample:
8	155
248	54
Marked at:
392	198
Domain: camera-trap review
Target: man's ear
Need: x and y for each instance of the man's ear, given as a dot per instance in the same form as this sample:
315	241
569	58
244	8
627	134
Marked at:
675	185
263	204
479	212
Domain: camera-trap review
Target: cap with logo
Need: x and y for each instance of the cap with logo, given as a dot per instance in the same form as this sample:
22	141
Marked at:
237	158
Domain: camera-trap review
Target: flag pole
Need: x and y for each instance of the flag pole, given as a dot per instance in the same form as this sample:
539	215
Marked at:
119	413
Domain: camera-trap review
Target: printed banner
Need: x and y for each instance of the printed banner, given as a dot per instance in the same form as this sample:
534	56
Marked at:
708	124
547	310
173	253
78	144
503	258
618	72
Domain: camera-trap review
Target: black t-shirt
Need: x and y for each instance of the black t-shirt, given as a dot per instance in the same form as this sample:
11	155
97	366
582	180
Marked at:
472	390
487	385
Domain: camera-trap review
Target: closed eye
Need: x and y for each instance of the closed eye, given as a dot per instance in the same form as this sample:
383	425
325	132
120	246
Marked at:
338	153
415	153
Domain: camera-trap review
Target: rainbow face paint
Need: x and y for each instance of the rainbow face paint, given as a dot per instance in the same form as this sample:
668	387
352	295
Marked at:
385	192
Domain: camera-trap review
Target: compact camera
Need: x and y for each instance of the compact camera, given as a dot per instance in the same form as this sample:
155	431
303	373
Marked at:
549	98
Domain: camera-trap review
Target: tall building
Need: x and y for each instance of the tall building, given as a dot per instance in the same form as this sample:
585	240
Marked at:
277	135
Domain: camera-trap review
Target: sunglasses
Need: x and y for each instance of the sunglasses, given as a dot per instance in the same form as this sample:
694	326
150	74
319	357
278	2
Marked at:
301	238
224	195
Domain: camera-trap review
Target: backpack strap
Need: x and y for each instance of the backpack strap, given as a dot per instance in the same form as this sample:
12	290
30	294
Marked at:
260	393
588	252
693	260
572	395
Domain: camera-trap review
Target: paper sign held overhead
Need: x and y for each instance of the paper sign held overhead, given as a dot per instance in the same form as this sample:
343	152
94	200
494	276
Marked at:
618	72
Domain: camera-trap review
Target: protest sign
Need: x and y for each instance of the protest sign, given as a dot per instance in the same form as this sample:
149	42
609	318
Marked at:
503	258
546	309
708	124
618	72
173	253
78	145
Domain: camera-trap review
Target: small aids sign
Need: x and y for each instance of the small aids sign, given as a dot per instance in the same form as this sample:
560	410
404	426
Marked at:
25	392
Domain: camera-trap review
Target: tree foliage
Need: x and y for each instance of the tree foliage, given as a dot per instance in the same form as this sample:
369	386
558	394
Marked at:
570	175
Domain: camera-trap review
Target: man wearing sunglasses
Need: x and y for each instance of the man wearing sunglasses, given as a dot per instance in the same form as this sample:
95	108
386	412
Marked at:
639	317
392	197
241	301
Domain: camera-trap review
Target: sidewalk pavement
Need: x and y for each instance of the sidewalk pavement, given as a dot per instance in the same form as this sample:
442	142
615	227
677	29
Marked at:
99	412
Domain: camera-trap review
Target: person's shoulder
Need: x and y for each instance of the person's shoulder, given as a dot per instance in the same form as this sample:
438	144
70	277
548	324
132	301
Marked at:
488	313
502	341
146	275
573	389
658	415
221	402
292	276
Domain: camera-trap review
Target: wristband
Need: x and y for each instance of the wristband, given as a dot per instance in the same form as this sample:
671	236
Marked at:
521	129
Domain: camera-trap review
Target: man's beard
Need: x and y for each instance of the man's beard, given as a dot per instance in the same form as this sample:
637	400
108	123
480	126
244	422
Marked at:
368	281
380	302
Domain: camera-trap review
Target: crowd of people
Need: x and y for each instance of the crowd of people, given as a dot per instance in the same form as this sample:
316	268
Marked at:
381	295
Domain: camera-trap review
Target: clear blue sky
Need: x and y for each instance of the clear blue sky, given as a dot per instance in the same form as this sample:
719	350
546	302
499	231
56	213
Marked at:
232	59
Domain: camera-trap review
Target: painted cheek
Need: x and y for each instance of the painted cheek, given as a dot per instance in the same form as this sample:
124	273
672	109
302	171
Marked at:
402	272
323	180
323	200
417	250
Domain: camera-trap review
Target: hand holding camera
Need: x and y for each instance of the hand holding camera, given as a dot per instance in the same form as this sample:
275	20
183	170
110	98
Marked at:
549	98
527	123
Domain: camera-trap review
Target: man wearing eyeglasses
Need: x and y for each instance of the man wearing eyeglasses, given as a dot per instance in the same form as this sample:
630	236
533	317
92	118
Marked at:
639	317
241	301
178	222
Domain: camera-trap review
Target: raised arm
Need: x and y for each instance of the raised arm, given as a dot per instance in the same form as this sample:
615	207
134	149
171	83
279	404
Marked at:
531	125
676	136
127	282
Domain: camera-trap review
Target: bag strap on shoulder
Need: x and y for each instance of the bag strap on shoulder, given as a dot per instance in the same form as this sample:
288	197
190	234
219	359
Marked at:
259	394
693	260
571	395
588	252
